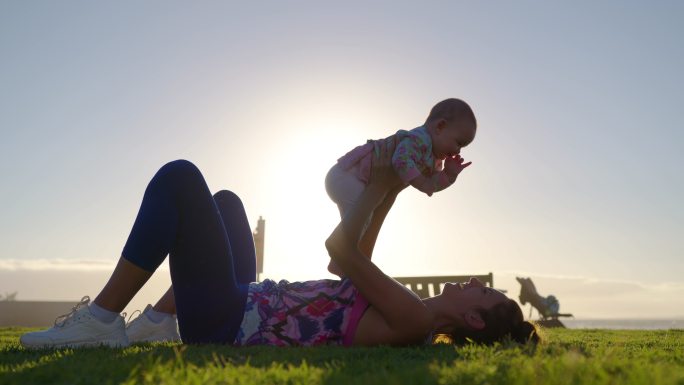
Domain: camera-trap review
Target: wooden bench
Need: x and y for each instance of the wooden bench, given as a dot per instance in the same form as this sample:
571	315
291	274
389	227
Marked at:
431	286
423	286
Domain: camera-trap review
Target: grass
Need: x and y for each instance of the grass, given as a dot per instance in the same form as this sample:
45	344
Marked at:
568	357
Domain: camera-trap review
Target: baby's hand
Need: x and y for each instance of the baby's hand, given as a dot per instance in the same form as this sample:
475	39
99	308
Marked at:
454	165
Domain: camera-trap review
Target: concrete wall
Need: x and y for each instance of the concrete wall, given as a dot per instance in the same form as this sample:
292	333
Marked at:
32	313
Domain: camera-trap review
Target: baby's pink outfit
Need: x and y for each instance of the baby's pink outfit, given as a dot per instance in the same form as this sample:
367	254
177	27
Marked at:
412	157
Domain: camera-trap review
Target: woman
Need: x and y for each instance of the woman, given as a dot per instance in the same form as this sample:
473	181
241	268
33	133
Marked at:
211	258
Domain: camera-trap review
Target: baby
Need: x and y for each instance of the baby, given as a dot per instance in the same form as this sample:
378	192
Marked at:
426	157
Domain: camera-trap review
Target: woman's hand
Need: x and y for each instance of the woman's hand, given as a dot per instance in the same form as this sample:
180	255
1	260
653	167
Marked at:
382	172
383	184
397	315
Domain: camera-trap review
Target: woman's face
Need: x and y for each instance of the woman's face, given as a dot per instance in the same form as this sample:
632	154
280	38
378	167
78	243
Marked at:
472	295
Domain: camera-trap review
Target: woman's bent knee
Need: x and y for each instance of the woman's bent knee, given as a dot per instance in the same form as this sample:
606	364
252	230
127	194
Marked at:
180	170
227	196
180	166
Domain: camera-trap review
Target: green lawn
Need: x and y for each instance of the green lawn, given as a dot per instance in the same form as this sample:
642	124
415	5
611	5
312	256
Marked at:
568	357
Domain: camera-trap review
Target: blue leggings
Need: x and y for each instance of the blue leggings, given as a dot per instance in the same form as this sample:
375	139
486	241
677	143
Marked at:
210	248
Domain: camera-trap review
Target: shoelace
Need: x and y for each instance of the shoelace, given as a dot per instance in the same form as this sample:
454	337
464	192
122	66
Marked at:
65	317
129	318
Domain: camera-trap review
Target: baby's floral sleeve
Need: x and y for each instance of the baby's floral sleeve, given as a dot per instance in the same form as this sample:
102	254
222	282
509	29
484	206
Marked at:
406	158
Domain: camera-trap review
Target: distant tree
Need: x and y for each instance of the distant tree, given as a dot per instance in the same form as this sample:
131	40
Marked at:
9	296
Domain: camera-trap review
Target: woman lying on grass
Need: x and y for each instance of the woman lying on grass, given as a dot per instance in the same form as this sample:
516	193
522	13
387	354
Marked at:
212	262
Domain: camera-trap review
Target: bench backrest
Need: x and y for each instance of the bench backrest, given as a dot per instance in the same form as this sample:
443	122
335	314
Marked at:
431	286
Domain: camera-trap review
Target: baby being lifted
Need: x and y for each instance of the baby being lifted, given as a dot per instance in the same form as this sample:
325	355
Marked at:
426	157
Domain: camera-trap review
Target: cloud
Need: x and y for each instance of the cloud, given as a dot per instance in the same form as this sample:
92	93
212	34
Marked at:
61	264
69	280
584	283
57	264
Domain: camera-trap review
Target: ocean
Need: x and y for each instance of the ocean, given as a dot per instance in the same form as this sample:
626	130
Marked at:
640	324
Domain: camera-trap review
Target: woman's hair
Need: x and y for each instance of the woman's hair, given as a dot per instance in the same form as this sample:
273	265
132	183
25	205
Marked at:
502	321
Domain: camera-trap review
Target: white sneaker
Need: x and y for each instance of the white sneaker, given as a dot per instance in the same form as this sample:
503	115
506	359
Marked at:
79	328
143	329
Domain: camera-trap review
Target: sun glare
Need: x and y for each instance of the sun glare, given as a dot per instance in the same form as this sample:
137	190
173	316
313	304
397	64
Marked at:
301	215
305	132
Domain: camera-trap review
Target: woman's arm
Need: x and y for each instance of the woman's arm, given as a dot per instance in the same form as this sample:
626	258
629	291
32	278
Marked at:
406	319
424	184
367	242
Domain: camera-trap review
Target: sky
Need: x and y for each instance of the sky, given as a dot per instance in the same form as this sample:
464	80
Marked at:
576	178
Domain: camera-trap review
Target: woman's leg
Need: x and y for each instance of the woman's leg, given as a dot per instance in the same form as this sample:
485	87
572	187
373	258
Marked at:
123	284
239	234
152	236
167	302
241	242
178	216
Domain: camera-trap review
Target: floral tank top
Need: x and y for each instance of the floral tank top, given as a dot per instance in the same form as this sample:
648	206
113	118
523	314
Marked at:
323	312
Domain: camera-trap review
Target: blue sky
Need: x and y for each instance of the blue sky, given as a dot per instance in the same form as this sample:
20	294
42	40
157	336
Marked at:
576	175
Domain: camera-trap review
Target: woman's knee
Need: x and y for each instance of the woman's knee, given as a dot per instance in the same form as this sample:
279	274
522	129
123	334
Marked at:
178	175
227	197
180	165
180	169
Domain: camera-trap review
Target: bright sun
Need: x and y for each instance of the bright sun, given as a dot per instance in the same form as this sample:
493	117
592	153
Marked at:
310	136
300	214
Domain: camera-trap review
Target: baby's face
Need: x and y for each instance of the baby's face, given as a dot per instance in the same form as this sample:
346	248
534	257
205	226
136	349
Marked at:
451	137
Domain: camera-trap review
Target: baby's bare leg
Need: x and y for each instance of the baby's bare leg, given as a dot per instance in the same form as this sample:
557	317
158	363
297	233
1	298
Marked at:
344	188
